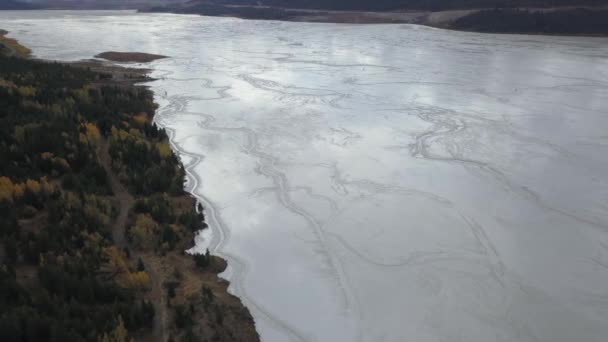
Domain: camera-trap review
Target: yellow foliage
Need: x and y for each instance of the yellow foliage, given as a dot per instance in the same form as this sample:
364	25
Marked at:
119	334
139	280
135	132
92	131
146	221
18	190
144	232
164	149
26	91
83	95
60	162
119	133
102	204
10	190
33	186
46	187
116	259
140	119
6	189
63	163
90	135
91	210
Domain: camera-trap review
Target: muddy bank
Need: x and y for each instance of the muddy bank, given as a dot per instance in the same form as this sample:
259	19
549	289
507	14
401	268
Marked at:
129	57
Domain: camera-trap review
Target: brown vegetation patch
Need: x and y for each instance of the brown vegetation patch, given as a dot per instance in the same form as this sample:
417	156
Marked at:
201	303
11	47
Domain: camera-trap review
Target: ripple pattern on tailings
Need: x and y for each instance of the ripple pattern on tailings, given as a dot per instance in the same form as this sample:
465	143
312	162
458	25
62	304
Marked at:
382	182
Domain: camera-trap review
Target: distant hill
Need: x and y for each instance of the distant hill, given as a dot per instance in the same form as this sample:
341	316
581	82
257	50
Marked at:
383	5
15	5
577	17
341	5
574	21
94	4
588	17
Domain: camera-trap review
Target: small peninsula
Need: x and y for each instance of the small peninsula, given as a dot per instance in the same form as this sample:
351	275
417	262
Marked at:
129	57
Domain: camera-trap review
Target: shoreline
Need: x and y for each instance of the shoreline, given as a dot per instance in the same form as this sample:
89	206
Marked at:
478	20
278	114
235	266
203	205
12	47
458	20
161	268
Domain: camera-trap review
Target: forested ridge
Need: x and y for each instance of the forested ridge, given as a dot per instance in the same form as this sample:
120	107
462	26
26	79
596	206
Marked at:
383	5
353	5
56	208
587	17
574	21
576	17
15	5
83	258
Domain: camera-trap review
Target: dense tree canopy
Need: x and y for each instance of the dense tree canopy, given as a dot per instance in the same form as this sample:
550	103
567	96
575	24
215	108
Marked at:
574	21
62	278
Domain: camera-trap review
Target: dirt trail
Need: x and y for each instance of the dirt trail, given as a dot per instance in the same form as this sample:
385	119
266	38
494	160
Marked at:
157	297
125	202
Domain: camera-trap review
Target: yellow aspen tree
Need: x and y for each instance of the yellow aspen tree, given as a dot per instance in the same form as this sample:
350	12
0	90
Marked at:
6	189
164	149
116	259
33	186
139	280
140	119
92	133
119	334
18	191
144	231
46	187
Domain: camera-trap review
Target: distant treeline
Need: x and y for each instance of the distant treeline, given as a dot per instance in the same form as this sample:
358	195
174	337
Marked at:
383	5
501	16
15	5
576	21
269	13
